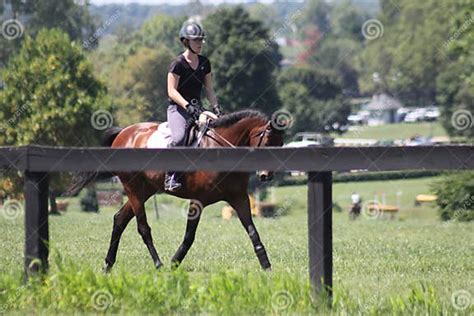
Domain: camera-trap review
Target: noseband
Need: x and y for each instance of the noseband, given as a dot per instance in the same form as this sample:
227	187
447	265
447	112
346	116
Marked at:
262	134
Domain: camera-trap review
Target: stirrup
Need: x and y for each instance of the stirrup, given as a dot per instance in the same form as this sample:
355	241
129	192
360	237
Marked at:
170	182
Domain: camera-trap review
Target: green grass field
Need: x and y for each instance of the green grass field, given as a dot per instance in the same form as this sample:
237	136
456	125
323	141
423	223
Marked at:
412	265
397	131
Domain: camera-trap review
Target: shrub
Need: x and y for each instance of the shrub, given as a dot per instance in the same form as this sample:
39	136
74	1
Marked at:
89	201
456	196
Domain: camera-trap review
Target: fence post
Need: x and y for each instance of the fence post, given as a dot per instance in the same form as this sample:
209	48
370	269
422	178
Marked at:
36	222
320	231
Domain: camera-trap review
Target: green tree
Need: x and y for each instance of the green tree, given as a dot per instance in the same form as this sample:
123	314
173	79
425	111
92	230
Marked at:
50	93
67	15
50	96
317	13
149	69
408	55
244	60
347	20
339	54
455	83
33	15
265	13
314	99
135	69
161	30
333	37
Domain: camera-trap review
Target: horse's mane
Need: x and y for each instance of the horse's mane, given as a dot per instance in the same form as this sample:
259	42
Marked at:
230	119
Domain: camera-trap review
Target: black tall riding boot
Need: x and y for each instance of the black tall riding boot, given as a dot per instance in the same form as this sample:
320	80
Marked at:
172	177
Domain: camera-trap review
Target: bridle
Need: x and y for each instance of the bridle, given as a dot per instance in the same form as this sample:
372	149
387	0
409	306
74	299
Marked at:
260	134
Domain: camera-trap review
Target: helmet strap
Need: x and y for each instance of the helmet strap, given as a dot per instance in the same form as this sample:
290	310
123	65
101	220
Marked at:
192	51
188	46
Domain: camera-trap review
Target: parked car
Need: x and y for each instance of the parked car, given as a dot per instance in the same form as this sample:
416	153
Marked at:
432	114
417	115
309	139
359	118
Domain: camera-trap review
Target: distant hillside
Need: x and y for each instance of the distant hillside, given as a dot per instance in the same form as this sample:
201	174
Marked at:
130	17
370	6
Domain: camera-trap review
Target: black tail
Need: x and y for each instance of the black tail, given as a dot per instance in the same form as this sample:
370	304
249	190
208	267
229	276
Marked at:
81	179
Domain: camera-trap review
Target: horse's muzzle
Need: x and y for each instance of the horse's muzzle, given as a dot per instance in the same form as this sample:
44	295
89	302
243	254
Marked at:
265	175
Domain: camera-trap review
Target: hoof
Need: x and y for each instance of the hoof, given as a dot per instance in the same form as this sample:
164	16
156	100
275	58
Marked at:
175	265
267	268
158	265
107	268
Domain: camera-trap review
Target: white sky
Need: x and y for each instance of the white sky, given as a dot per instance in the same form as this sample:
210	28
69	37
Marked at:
171	1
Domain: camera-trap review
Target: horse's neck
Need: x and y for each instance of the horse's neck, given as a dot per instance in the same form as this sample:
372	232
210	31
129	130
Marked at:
238	134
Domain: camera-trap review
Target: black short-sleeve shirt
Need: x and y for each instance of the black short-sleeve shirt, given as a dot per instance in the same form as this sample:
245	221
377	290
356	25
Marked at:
190	80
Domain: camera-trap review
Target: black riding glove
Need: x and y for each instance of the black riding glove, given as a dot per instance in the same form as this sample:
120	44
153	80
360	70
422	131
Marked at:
193	113
217	110
191	109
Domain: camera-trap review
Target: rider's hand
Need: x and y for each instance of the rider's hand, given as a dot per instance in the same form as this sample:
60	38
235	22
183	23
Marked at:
191	109
217	109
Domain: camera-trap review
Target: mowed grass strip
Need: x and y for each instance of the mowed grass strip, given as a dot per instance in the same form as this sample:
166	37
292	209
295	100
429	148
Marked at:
397	131
415	263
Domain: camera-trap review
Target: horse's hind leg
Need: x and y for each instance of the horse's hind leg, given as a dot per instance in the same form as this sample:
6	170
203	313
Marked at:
241	204
144	229
194	214
121	219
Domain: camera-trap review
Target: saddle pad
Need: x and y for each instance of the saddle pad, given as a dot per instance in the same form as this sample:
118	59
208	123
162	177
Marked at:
161	137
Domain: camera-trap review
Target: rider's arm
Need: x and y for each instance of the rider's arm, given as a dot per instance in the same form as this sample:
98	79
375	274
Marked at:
173	80
211	95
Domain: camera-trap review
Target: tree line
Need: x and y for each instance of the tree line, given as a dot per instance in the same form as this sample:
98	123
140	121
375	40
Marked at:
61	77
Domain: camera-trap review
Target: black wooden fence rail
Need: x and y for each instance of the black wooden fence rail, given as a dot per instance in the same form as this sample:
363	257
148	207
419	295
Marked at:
38	161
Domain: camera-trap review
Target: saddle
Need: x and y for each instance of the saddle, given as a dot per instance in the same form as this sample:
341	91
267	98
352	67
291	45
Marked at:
161	138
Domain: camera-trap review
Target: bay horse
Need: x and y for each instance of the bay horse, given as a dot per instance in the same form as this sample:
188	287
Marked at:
244	128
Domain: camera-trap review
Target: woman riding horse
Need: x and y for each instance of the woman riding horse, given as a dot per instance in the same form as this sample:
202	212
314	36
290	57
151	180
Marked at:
246	128
186	76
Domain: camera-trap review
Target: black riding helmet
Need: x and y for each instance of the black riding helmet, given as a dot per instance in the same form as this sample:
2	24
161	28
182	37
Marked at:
191	31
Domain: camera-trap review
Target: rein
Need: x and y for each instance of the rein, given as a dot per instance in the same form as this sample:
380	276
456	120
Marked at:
261	134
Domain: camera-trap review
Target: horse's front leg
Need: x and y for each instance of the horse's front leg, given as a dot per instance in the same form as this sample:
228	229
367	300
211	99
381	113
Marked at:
194	214
241	204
